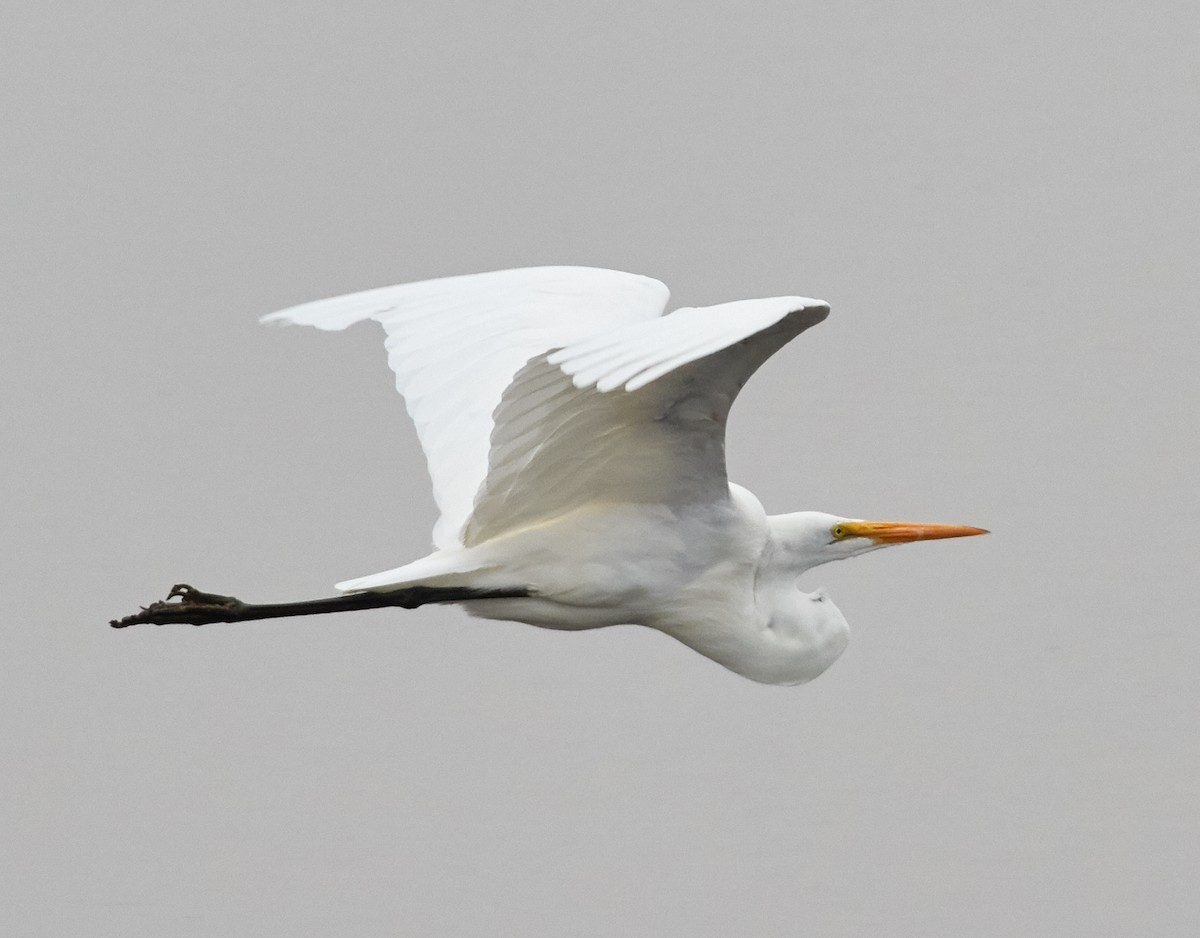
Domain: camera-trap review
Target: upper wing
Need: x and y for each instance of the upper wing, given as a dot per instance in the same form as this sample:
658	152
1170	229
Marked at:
634	414
456	343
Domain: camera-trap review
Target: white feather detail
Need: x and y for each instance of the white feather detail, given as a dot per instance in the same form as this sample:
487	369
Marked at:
540	391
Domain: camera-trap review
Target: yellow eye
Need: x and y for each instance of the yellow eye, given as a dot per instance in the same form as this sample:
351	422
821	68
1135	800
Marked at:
838	531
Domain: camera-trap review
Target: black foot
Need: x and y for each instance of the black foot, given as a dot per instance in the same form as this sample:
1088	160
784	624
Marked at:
194	608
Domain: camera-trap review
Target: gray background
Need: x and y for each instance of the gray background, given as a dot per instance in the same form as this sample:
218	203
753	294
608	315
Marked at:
999	200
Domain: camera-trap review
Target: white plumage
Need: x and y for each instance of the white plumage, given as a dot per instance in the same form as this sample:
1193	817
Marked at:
575	439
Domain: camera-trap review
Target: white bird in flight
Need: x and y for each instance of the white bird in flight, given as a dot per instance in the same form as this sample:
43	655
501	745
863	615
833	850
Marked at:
575	436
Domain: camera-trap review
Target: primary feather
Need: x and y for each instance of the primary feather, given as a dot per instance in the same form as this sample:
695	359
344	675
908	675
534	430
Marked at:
455	344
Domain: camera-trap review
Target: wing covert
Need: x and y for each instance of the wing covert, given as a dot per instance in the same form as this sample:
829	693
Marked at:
633	414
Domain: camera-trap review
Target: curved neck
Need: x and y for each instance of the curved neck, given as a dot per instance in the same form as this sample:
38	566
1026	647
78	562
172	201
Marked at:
805	630
771	632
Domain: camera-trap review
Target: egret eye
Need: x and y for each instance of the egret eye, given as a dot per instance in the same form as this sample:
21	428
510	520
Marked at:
838	531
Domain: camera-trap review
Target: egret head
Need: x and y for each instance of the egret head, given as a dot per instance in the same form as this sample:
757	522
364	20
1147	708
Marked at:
812	538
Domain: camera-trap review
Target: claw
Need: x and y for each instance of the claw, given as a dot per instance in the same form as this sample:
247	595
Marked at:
190	596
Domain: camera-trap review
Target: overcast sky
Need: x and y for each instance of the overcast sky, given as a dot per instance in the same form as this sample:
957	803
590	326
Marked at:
1000	203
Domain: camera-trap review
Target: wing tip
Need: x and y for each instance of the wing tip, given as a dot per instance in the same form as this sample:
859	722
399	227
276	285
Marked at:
811	305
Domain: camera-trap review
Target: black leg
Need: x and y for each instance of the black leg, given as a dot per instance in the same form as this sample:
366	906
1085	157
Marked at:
199	608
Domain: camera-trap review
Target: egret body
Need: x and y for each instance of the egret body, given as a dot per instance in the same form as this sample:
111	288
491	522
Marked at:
575	437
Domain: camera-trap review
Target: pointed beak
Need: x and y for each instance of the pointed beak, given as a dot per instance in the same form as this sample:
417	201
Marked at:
901	532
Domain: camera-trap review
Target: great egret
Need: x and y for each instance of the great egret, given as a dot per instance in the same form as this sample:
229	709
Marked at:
575	436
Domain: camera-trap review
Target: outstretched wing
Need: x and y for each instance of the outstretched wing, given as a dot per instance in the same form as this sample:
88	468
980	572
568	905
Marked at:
633	414
456	343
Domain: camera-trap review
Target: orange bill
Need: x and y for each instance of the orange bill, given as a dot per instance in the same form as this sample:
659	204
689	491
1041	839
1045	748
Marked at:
901	532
